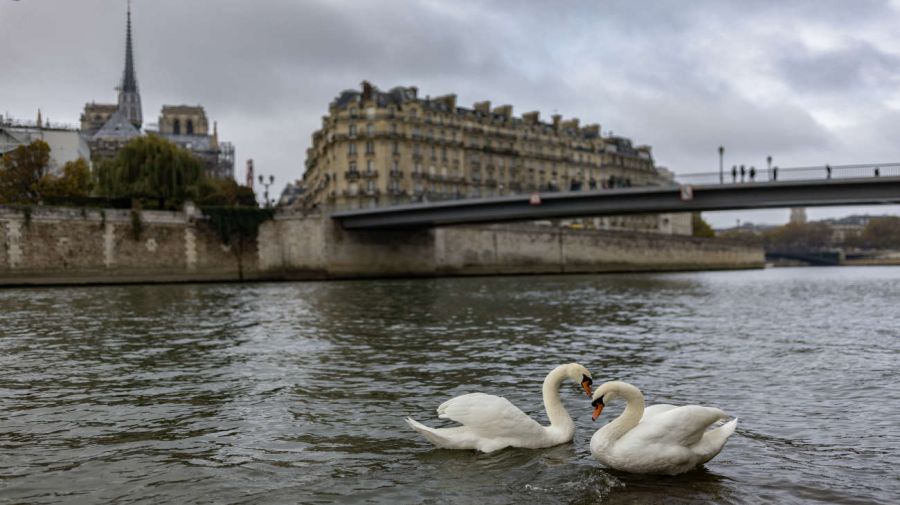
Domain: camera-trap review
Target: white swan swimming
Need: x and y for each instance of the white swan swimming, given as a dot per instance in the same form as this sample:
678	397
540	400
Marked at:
490	423
662	439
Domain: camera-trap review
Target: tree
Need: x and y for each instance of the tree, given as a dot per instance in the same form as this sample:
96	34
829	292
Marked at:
20	171
882	233
701	227
224	193
74	184
151	168
799	236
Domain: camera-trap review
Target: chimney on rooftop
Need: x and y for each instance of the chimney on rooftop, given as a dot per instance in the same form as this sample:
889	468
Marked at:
366	90
483	107
504	110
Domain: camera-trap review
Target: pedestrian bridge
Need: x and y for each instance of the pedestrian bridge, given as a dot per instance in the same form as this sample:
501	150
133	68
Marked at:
834	188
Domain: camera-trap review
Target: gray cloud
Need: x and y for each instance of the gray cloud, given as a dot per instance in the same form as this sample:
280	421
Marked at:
806	81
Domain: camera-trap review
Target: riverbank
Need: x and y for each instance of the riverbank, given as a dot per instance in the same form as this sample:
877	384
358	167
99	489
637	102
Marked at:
49	245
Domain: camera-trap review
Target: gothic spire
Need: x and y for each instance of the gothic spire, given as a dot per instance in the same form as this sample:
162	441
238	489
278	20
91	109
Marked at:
129	96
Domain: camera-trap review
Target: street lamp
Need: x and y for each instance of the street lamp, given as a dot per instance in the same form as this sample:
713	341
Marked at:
721	172
262	180
769	162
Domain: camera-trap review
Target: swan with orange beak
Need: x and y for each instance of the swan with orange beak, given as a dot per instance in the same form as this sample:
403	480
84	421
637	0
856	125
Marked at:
660	439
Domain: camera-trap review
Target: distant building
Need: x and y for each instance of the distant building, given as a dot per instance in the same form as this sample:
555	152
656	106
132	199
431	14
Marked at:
380	148
291	194
798	215
847	228
66	143
107	127
187	126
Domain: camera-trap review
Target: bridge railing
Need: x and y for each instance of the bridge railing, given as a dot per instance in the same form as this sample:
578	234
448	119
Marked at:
776	174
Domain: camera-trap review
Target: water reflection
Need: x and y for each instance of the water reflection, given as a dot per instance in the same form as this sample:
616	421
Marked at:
274	393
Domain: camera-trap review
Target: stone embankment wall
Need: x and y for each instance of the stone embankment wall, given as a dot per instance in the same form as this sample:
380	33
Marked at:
315	247
69	246
45	245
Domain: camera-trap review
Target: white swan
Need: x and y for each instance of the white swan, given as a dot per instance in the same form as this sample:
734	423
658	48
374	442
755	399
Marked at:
662	439
491	423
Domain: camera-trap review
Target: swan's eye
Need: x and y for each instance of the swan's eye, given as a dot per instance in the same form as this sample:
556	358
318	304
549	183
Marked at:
585	378
598	401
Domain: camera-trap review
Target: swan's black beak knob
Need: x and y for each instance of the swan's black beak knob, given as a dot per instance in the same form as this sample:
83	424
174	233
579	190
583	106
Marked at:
598	408
586	385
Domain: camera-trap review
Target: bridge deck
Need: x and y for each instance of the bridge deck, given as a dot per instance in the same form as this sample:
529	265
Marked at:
610	202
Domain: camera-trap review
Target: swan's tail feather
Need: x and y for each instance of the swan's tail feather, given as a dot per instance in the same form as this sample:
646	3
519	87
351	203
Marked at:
714	440
445	438
429	433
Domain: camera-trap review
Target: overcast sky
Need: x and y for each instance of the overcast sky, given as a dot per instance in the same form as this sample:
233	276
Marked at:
807	82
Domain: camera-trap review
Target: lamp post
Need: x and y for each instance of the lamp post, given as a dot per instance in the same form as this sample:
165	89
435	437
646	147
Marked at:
721	170
262	180
769	163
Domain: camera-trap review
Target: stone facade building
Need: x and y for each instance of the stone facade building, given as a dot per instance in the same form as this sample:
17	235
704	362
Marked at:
380	148
107	127
66	142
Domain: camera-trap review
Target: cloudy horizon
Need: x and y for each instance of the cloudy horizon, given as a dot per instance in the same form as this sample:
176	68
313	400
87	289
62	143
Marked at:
807	82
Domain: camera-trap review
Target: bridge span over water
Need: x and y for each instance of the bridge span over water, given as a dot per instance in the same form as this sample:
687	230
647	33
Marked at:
826	191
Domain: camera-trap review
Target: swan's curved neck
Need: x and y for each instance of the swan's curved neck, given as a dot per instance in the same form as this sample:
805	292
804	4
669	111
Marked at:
634	411
552	402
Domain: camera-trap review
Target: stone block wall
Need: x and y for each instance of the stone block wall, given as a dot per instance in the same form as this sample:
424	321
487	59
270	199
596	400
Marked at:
45	245
70	246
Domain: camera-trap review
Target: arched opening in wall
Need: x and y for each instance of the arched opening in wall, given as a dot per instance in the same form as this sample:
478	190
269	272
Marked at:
176	127
190	127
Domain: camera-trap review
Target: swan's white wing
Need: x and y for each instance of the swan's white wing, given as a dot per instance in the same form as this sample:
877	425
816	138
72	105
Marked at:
683	426
655	410
489	416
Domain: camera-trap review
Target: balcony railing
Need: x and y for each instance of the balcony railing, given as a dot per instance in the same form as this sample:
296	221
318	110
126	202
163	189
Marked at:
351	175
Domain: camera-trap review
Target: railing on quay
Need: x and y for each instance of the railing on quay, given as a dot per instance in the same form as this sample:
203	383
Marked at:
778	174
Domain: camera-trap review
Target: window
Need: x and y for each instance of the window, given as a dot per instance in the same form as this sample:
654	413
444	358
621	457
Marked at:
395	166
444	153
176	127
370	186
351	148
395	148
370	166
352	167
190	127
370	129
353	112
394	129
370	147
352	130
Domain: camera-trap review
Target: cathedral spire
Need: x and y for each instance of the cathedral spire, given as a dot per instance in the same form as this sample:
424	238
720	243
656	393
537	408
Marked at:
129	96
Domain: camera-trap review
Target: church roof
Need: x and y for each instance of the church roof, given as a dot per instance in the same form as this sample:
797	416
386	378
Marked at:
129	79
117	127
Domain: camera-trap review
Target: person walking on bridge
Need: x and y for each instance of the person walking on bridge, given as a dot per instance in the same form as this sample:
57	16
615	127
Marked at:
752	174
743	172
734	174
827	171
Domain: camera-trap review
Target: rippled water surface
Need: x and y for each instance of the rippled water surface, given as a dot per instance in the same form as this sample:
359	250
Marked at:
295	393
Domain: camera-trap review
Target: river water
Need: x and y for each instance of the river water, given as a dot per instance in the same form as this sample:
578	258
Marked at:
296	393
